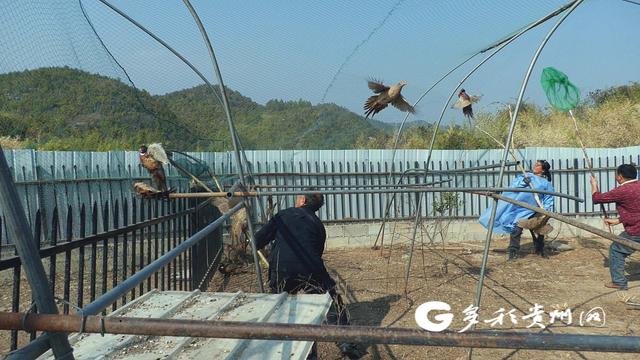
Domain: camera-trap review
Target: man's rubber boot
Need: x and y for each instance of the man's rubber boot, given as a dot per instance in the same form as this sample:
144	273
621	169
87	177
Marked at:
351	350
513	254
543	252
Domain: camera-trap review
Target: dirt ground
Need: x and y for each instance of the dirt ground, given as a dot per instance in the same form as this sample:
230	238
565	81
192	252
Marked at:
373	285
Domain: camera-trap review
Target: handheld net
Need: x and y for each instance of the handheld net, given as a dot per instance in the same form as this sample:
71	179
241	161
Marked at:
561	93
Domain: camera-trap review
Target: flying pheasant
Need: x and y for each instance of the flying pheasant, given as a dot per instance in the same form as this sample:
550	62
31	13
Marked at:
386	95
464	102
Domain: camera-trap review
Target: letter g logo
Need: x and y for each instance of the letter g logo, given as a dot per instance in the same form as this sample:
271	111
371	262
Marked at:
444	320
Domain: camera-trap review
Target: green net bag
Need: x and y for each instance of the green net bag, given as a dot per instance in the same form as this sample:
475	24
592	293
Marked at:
561	93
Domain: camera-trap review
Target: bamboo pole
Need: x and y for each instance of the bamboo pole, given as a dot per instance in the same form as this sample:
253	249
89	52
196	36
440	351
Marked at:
588	161
216	194
525	81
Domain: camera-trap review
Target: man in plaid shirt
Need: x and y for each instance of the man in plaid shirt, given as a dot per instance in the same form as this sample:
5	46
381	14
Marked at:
627	199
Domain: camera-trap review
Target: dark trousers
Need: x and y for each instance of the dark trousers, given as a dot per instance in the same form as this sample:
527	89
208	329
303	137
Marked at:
337	315
516	234
617	255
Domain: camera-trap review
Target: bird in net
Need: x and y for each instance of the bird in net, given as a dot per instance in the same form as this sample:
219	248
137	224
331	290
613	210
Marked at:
465	103
386	95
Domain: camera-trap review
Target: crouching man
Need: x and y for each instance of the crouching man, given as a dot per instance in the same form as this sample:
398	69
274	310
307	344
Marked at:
295	260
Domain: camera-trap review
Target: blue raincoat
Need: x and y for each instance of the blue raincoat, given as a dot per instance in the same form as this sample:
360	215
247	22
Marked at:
508	215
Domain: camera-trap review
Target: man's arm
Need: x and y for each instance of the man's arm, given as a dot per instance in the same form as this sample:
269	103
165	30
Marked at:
266	234
600	198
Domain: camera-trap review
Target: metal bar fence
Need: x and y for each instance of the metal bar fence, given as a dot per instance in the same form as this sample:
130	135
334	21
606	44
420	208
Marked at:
81	268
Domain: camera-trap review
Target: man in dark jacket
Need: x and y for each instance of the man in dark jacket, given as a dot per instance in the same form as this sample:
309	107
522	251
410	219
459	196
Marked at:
295	260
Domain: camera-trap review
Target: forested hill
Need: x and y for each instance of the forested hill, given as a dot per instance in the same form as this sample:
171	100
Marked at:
276	125
61	108
65	109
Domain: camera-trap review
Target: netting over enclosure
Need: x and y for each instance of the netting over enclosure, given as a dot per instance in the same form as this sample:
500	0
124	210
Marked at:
178	84
297	71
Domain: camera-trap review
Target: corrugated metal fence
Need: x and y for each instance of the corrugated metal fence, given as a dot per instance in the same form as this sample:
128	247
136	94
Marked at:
57	179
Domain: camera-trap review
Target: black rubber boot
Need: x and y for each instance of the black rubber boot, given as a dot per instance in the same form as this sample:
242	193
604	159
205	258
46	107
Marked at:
352	351
543	252
513	254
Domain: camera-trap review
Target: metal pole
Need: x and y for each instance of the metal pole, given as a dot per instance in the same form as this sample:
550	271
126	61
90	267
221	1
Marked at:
234	139
211	195
357	334
224	100
407	189
497	44
498	47
162	42
132	281
505	153
363	186
18	230
413	171
388	204
417	190
39	346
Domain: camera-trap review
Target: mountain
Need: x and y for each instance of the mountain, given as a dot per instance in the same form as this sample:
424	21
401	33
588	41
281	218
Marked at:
391	128
65	109
276	125
68	109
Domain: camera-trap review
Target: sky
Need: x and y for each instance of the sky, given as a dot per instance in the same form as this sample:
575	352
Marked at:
324	51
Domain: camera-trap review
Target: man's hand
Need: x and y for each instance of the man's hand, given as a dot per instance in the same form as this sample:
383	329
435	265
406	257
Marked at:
594	184
612	221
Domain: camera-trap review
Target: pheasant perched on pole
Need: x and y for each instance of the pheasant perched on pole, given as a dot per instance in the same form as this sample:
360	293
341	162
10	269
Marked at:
152	158
386	95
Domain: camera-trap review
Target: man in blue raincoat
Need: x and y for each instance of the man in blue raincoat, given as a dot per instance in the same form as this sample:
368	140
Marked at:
510	218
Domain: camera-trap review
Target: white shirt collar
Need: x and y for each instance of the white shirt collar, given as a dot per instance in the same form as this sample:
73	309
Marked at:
629	181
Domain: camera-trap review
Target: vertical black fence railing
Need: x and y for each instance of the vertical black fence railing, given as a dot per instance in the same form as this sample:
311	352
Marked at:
124	237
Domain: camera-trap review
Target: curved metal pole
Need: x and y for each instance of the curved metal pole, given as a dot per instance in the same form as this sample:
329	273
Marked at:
168	47
399	183
505	153
234	140
224	101
498	46
162	42
446	105
392	198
